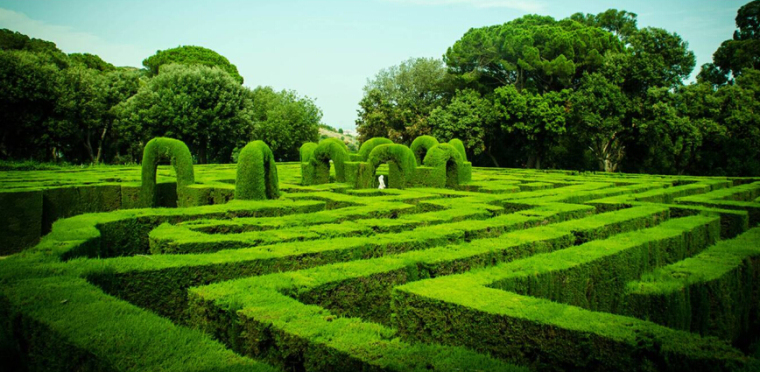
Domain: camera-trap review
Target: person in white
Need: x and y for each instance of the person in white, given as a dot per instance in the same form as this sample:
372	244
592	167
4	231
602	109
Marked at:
381	181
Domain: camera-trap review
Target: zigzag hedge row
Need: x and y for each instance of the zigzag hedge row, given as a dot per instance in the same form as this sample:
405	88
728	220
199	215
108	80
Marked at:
295	267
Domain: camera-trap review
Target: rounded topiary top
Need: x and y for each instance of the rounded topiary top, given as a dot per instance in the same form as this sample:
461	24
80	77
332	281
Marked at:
256	173
306	151
459	145
335	150
400	154
370	144
440	154
421	145
163	148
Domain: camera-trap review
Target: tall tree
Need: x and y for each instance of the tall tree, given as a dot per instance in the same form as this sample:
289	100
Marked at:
202	106
469	117
27	105
398	100
599	108
739	53
190	55
284	121
540	119
533	52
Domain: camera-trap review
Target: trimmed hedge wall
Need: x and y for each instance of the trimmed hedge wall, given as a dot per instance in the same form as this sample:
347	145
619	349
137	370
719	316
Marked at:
550	270
256	173
176	152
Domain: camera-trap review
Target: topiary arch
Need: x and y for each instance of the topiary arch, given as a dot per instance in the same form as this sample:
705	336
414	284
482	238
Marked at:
256	173
459	145
370	144
420	147
319	162
447	156
400	161
307	170
176	152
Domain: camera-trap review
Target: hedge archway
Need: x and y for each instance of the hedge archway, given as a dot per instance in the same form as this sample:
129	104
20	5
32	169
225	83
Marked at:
448	156
421	145
319	161
256	173
370	144
176	152
459	145
400	161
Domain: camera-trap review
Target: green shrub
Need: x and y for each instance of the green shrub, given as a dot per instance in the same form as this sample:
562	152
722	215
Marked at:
256	173
176	152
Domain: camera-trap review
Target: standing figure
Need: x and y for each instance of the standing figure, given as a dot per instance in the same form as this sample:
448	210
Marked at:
381	182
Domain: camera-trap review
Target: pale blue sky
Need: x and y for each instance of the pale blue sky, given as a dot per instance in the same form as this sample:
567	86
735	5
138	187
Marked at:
324	49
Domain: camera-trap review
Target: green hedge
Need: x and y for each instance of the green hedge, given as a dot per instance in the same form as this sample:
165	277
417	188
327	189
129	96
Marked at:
176	152
420	147
400	160
367	147
318	168
713	293
442	156
256	173
459	145
547	334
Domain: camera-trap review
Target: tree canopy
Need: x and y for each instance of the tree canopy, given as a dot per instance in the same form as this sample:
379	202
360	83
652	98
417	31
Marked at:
80	108
190	55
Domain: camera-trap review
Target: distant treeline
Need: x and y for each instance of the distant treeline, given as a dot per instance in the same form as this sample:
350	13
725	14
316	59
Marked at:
78	108
590	92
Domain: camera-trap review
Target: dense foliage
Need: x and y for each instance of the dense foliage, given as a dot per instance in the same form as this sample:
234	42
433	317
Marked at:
589	92
79	108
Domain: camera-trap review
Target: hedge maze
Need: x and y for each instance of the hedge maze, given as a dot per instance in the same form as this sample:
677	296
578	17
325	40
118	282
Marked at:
309	267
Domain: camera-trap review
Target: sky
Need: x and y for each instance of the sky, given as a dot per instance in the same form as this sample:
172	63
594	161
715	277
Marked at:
325	50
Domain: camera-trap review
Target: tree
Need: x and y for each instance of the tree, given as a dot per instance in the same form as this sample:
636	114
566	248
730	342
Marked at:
533	52
469	117
27	104
740	113
398	100
620	23
91	61
190	55
284	121
599	107
674	126
655	58
199	105
739	53
539	119
80	108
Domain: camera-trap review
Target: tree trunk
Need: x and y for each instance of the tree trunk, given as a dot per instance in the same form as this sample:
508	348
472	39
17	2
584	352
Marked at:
493	158
88	146
100	144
